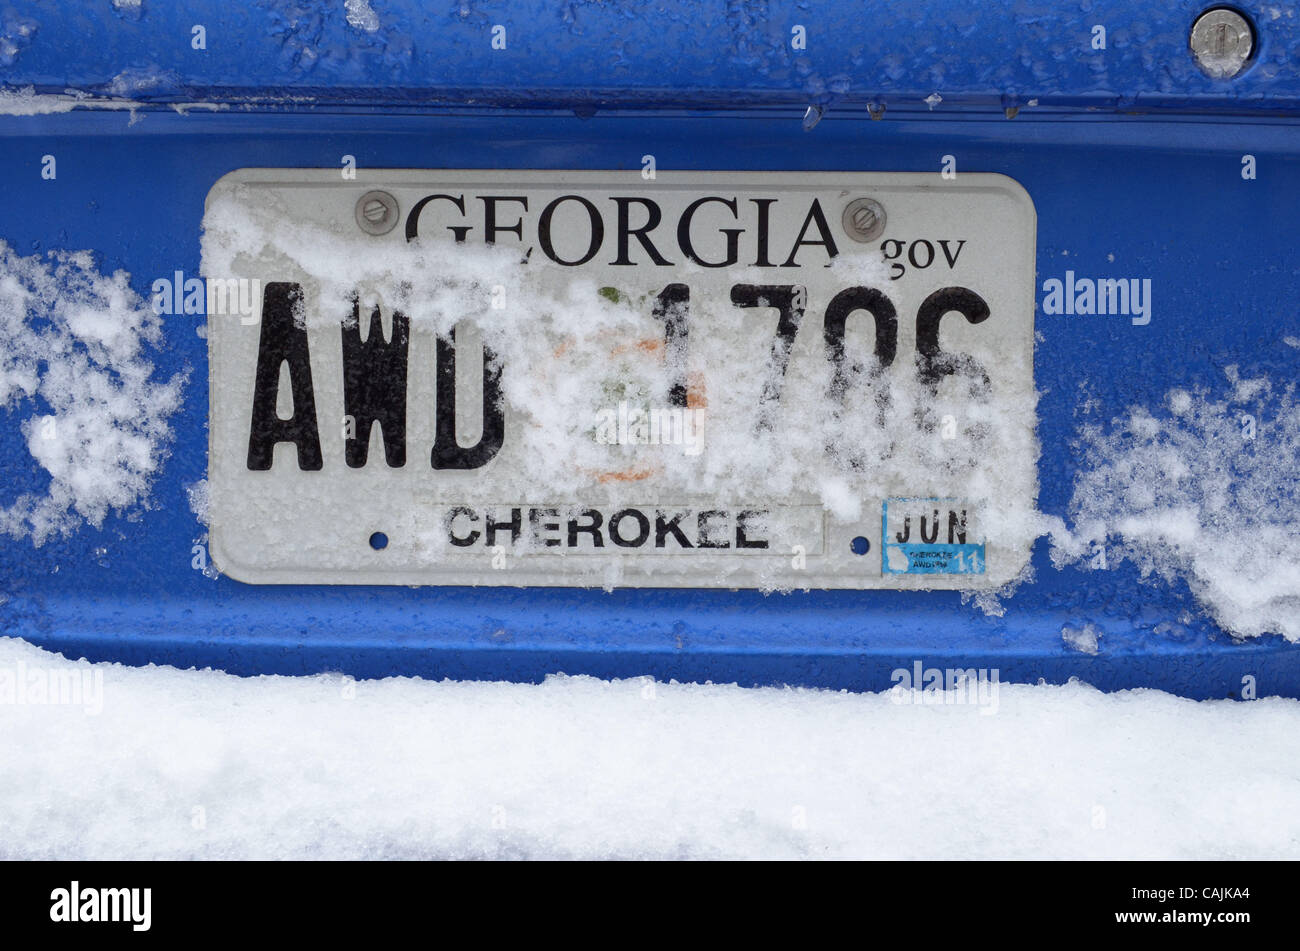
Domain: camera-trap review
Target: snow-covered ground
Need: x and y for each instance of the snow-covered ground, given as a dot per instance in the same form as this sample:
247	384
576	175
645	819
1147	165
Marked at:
160	762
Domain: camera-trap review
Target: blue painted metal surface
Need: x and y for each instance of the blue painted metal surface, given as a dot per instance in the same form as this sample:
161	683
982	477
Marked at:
650	52
701	86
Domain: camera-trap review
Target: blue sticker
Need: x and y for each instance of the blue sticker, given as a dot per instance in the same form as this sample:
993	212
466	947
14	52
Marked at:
929	537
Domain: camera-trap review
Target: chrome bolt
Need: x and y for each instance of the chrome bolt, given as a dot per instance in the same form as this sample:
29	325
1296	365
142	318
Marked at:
863	219
376	212
1222	41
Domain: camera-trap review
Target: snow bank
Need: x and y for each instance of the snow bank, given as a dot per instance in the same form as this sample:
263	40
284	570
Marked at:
1204	491
203	764
74	349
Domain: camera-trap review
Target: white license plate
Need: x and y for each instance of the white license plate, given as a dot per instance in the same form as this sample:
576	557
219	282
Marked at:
701	379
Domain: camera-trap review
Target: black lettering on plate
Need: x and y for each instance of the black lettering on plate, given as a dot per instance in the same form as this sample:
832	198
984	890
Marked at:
413	219
743	527
594	521
764	215
933	364
672	307
838	311
732	234
544	230
491	526
448	453
842	306
642	528
815	217
664	528
956	527
490	224
461	541
706	530
930	529
626	232
542	521
789	300
374	385
283	341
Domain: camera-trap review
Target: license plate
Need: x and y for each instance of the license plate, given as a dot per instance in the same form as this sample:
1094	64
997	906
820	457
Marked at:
715	379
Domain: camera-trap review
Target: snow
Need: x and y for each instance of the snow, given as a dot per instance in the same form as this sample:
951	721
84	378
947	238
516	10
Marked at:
361	15
16	33
183	764
197	495
75	369
1201	489
1085	638
26	101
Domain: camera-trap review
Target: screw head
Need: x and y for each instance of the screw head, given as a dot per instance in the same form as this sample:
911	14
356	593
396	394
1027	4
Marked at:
376	212
863	219
1222	41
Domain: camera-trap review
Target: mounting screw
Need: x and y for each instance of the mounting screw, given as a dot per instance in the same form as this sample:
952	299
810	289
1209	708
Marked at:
376	212
864	219
1222	41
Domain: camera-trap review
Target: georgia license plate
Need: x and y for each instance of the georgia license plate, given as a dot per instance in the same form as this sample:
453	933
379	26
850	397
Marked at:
690	379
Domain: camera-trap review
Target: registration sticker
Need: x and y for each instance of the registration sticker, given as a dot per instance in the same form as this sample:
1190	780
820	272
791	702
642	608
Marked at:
930	537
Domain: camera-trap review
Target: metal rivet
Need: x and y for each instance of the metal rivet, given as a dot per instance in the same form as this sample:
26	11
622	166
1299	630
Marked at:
1222	41
376	212
864	219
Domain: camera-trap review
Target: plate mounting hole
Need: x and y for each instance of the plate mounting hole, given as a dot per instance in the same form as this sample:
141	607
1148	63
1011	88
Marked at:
378	541
860	545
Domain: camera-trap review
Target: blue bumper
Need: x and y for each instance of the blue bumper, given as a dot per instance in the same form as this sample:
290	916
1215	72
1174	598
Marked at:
1130	153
